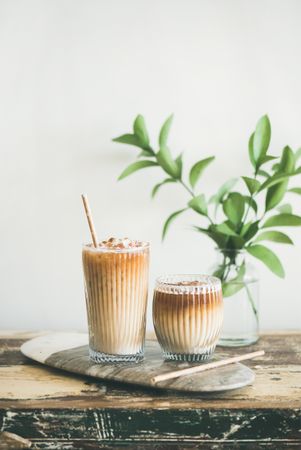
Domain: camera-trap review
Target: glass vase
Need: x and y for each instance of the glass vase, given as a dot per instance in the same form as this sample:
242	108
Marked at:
241	298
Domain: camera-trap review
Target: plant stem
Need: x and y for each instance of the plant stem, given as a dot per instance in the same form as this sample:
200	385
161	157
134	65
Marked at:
192	194
249	204
228	267
247	212
252	303
187	188
224	267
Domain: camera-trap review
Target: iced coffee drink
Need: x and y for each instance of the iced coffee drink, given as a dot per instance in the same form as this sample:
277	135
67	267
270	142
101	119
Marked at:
188	315
116	288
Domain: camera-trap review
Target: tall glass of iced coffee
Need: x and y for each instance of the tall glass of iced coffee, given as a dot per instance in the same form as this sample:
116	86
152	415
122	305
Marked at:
116	289
188	315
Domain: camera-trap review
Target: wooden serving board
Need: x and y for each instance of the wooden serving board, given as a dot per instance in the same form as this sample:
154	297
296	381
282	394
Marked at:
69	351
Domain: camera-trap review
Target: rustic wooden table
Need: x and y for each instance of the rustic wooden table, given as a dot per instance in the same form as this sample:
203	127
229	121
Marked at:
50	409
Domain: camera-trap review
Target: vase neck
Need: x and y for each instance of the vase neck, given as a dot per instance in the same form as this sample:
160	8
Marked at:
231	256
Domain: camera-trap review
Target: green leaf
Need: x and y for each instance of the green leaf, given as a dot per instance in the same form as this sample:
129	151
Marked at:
236	242
261	140
223	190
268	158
283	220
252	184
275	194
268	257
241	273
199	204
219	238
224	228
263	173
165	160
170	220
287	163
157	187
295	190
248	232
274	179
250	201
140	131
274	236
197	170
129	139
136	166
146	154
165	131
219	272
231	287
179	163
298	154
277	178
234	207
224	233
245	228
251	151
286	208
236	284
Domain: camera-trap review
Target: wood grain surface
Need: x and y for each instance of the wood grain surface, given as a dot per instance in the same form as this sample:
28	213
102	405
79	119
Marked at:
54	410
64	351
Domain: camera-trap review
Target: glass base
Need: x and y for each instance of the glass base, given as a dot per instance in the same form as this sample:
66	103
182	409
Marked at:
189	357
99	357
237	342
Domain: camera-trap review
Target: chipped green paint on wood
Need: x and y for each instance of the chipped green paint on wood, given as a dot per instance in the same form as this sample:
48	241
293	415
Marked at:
164	425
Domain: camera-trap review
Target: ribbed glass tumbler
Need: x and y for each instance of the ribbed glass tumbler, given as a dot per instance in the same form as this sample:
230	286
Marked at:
187	316
116	289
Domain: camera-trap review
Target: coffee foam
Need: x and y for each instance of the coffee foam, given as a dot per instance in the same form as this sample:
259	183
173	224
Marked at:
120	243
188	284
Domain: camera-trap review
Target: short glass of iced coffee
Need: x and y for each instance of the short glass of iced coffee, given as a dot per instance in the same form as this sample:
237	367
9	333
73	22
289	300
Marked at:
116	290
187	316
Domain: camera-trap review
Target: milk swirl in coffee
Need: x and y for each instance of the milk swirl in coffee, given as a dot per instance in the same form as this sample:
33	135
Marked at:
116	287
187	315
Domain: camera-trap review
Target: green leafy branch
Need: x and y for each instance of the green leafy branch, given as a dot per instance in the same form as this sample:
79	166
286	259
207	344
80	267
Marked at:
246	217
171	166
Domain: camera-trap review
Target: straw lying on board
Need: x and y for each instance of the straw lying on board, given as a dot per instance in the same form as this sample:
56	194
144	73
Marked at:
203	367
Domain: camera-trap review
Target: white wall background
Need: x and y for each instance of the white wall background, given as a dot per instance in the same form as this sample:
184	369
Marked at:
73	74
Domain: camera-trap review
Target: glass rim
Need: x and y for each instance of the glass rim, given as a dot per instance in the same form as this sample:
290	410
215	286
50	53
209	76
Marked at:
90	247
207	282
